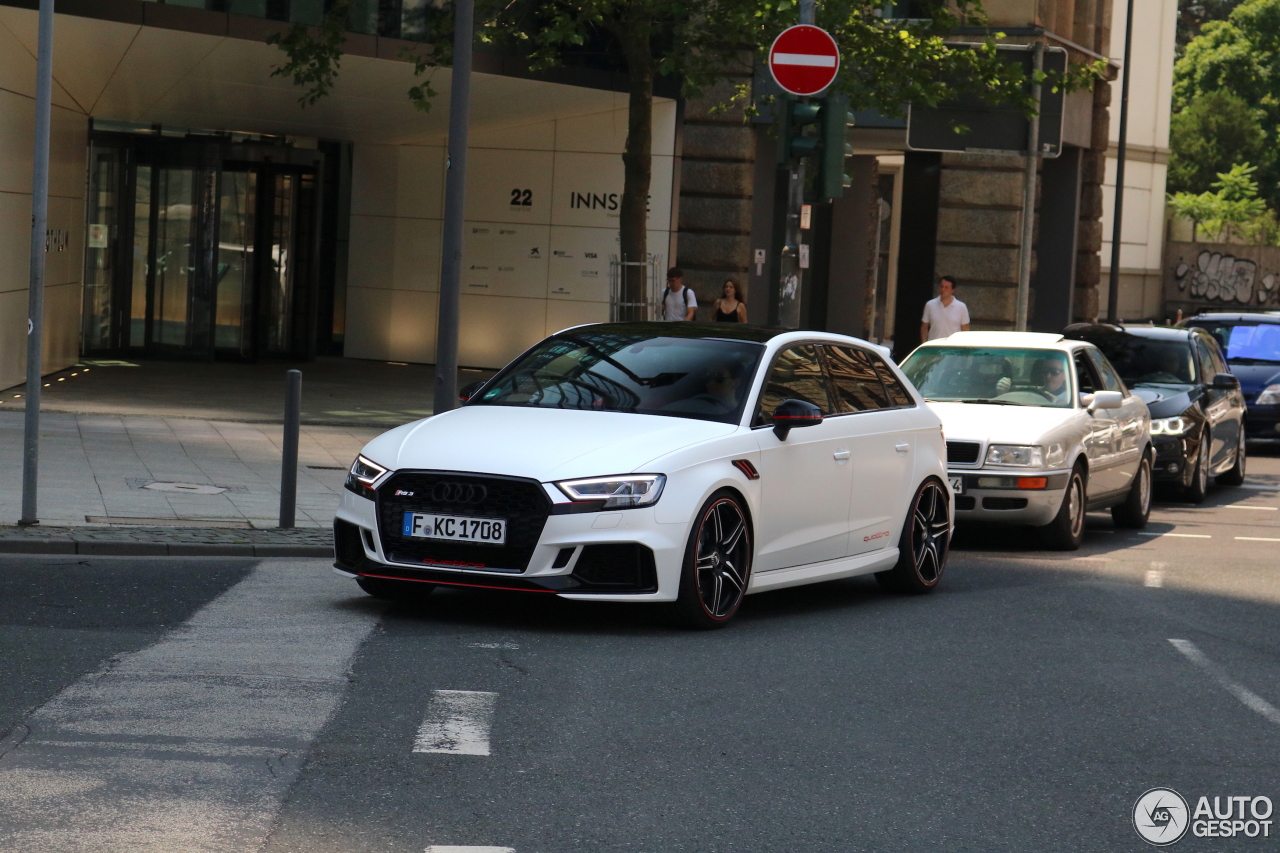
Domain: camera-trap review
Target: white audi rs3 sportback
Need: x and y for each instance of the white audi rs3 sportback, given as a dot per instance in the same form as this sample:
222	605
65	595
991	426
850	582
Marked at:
664	462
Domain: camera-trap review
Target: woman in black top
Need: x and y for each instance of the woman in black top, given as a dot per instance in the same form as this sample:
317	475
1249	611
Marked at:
729	308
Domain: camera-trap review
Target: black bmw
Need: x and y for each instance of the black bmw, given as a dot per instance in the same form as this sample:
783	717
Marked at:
1197	408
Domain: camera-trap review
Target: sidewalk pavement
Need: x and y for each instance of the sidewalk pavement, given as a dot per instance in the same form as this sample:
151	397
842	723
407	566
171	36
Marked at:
170	481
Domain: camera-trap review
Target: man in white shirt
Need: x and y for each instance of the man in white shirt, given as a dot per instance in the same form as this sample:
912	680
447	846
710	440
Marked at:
944	315
678	301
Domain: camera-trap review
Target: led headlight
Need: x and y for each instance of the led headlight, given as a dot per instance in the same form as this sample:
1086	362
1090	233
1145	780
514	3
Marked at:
1270	396
1169	426
1015	454
361	476
622	492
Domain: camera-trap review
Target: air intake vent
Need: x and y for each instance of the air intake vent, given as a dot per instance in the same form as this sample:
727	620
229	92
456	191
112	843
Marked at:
963	452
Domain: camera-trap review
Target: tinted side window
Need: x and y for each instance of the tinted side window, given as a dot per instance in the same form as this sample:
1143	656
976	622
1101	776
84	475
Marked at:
898	395
796	374
1215	355
1089	382
1207	367
1110	380
858	388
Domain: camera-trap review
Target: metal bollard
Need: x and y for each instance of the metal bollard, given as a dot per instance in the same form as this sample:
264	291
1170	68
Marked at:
289	448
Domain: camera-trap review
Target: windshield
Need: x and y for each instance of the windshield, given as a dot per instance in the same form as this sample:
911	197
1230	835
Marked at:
608	371
1145	360
1247	343
993	375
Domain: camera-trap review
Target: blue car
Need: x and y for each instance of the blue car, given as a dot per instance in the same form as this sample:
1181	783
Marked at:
1251	342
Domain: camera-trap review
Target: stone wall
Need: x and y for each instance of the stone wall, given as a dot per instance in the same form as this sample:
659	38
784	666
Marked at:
716	190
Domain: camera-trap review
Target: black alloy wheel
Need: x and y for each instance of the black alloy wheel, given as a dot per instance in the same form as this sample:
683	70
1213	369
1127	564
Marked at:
925	543
1234	476
1198	489
717	567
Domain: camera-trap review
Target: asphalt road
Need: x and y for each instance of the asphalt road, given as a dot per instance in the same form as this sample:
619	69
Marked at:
1024	706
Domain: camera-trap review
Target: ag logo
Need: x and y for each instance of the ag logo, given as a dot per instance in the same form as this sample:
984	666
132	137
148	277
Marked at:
1160	816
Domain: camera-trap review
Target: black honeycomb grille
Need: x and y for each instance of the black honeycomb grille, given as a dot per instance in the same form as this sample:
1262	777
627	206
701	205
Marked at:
521	502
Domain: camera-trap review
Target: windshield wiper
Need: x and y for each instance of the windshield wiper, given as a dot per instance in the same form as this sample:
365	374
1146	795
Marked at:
989	402
1243	359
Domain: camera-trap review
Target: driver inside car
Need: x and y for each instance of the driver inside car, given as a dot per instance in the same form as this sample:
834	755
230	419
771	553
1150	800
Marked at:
1048	376
720	391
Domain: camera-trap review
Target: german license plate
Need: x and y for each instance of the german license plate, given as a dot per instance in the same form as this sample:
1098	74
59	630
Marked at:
957	485
455	528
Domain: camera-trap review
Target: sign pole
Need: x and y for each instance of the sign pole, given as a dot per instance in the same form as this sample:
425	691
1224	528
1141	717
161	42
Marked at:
455	196
39	246
1117	217
1029	194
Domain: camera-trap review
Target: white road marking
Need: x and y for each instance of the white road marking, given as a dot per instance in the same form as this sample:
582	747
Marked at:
1155	576
1251	506
1256	539
192	743
1179	535
1247	697
452	849
457	722
1262	486
493	645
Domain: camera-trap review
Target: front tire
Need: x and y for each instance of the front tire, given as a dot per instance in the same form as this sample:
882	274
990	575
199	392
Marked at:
1066	531
1133	513
925	543
717	563
1235	475
1198	489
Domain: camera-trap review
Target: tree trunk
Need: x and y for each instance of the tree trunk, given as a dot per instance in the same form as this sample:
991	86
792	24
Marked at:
637	162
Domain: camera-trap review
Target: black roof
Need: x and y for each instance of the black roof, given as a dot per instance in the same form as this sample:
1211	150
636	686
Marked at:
1094	331
1249	316
722	331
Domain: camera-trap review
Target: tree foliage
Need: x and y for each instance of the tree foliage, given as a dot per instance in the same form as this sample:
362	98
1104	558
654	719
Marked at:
1232	210
1240	55
1212	133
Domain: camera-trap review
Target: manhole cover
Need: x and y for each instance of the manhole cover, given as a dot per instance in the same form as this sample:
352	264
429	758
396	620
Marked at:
187	488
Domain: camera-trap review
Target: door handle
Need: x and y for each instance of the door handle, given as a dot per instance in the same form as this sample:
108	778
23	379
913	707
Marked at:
841	455
902	448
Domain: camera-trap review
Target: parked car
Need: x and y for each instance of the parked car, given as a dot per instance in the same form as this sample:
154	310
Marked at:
1039	429
659	462
1251	344
1196	406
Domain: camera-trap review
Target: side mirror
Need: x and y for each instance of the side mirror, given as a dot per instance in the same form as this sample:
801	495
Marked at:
791	414
466	392
1107	400
1225	382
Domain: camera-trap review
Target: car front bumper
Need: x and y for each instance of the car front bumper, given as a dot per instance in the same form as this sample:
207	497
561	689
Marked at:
572	558
1171	459
997	496
1262	422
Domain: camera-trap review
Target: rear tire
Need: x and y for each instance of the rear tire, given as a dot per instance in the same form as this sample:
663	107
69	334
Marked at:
1066	531
1198	489
925	543
386	589
1235	475
1133	513
717	564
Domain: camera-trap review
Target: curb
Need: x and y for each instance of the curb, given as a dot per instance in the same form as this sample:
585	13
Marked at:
123	548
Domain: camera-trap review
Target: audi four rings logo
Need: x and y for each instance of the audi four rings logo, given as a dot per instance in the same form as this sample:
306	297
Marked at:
459	493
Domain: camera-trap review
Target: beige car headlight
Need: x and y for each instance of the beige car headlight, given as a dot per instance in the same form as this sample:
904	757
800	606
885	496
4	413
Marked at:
1019	455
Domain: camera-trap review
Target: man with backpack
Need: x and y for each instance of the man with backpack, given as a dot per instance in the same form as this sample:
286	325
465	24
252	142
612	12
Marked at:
678	301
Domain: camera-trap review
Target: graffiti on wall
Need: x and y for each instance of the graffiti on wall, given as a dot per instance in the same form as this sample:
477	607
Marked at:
1218	277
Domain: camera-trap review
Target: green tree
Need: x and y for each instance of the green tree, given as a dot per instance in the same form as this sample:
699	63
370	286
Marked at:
1232	211
1215	131
885	63
1240	55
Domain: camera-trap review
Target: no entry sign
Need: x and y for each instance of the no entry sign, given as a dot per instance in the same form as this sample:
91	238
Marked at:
804	60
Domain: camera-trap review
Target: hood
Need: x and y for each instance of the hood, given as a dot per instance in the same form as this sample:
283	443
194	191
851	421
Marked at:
542	444
1167	401
1000	424
1254	377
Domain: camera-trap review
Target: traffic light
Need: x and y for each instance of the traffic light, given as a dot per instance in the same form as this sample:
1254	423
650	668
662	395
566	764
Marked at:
793	117
835	120
832	117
